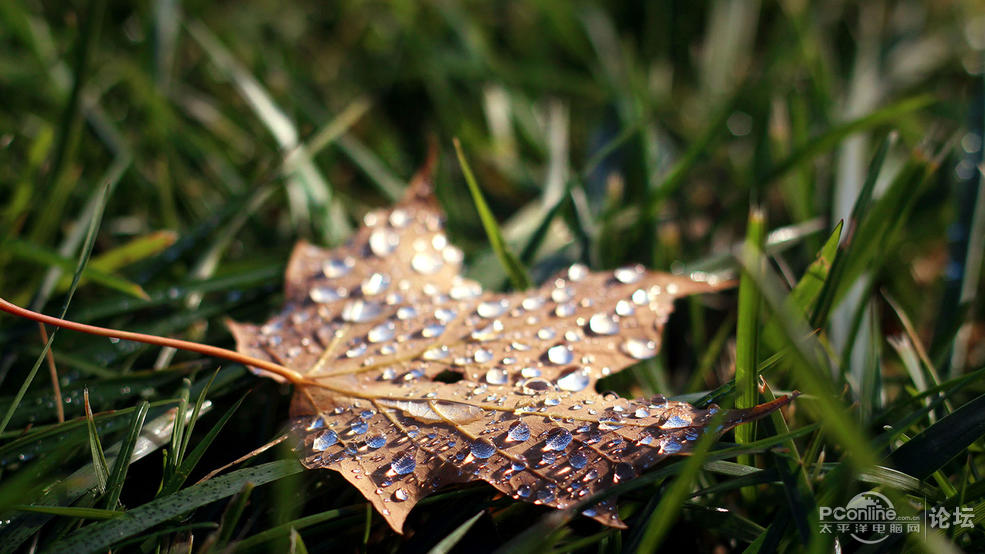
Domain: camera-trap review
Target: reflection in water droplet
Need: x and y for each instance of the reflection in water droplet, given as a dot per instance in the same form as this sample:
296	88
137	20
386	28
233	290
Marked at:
360	311
519	432
560	354
573	381
578	459
482	449
639	348
497	376
325	440
403	464
379	441
557	439
426	264
603	324
627	275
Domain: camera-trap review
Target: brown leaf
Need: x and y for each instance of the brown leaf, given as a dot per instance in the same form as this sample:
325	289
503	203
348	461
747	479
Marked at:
370	326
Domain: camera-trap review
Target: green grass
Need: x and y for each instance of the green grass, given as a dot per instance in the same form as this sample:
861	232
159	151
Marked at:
157	163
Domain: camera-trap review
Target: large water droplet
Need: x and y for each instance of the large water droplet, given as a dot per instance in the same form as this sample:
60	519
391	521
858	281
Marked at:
337	268
360	311
324	294
378	441
641	413
545	495
497	376
482	449
444	315
573	381
432	330
359	427
639	348
603	324
563	294
577	272
382	332
578	459
403	464
523	491
628	275
325	440
375	284
546	333
426	264
356	351
519	432
492	308
482	356
536	386
406	312
437	353
532	302
624	308
565	310
383	241
400	495
558	439
560	354
623	472
676	422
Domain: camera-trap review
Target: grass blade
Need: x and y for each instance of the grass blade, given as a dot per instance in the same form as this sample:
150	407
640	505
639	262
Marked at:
114	485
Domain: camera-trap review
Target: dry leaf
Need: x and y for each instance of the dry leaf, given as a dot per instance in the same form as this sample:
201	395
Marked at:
371	325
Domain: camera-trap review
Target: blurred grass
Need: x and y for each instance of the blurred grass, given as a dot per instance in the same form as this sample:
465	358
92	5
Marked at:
605	133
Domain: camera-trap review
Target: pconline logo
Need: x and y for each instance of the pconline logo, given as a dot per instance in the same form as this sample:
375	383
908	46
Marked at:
869	517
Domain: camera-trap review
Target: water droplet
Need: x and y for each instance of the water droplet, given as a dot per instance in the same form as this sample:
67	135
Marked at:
482	356
400	495
590	512
531	303
628	275
545	495
562	294
375	284
335	268
492	308
360	311
433	354
530	372
577	272
399	218
482	449
578	459
444	315
557	439
382	332
379	441
670	446
356	351
639	348
325	440
497	376
603	324
518	465
403	464
641	413
114	340
536	386
358	427
624	308
432	330
639	297
560	354
389	374
565	310
623	472
676	422
573	381
383	241
324	295
519	432
465	290
316	423
546	333
523	491
552	401
406	312
426	264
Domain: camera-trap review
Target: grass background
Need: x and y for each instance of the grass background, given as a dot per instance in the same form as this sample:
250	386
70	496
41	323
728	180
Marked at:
179	149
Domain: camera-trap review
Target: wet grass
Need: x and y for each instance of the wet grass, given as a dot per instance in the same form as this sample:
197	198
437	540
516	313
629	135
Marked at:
158	163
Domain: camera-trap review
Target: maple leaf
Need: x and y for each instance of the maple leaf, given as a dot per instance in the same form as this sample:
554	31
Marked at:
369	327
